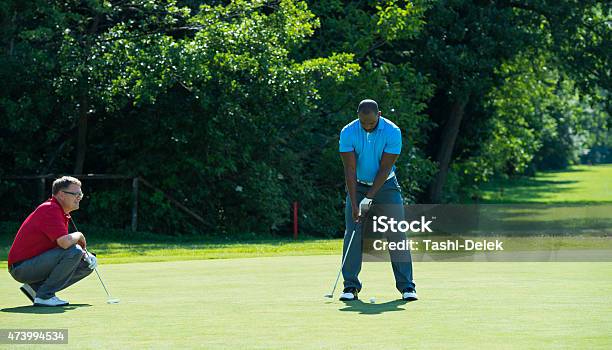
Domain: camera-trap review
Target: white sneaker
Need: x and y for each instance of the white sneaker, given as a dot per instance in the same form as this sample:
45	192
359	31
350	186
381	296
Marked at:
410	295
53	301
349	294
28	291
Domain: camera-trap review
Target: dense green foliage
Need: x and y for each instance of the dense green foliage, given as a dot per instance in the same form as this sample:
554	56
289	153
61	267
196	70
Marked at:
234	107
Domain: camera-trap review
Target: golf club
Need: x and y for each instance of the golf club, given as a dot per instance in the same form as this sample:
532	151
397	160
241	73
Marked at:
331	295
110	299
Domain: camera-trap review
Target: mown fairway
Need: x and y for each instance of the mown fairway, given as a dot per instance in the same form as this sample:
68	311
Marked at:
579	184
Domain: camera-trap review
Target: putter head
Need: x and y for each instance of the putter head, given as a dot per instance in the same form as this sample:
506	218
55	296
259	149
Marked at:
330	296
112	301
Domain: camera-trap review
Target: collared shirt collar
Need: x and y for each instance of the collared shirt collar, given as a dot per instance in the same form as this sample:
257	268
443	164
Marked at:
381	124
379	127
54	201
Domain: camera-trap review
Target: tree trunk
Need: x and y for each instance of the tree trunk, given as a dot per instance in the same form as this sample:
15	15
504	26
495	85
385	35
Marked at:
82	135
84	108
449	136
11	47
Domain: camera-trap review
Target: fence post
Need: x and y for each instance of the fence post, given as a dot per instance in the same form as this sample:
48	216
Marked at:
134	204
295	220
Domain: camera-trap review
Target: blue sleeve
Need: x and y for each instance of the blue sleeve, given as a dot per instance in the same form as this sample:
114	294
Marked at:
346	142
394	142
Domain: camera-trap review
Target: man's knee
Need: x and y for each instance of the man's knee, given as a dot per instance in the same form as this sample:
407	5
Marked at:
87	271
74	252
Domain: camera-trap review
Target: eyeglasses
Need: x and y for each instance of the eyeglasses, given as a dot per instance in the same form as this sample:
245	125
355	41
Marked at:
76	194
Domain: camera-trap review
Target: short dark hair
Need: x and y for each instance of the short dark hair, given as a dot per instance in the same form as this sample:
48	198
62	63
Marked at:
367	106
63	183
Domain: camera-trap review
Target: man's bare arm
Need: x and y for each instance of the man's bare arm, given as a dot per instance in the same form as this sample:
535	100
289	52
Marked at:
349	160
67	241
386	163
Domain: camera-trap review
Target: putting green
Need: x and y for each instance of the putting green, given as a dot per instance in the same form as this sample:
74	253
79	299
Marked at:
277	303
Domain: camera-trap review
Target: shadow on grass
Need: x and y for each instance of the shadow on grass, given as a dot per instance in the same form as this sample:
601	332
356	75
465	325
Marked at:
31	309
373	309
525	189
543	219
568	170
539	182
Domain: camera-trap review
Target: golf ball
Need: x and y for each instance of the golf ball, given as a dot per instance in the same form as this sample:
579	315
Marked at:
372	300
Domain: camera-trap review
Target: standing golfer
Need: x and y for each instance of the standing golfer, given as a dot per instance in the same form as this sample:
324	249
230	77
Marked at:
369	147
44	256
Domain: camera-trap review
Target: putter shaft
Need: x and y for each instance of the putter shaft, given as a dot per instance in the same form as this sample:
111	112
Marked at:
103	286
95	269
331	295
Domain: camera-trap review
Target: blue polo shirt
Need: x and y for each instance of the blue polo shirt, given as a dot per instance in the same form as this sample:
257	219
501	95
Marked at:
369	146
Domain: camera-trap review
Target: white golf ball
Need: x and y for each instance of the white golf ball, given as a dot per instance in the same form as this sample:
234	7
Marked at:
372	300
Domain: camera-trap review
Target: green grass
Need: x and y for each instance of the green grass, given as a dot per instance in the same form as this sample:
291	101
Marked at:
124	252
578	184
191	292
277	303
117	252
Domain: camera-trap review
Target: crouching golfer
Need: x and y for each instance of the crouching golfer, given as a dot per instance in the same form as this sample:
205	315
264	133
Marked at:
44	256
369	147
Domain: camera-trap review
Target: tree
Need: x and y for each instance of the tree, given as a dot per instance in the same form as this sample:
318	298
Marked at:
206	101
463	45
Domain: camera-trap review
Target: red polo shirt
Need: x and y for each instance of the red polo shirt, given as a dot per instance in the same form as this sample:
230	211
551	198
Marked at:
39	232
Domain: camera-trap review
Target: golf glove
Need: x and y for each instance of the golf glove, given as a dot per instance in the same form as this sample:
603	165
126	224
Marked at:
364	205
91	260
